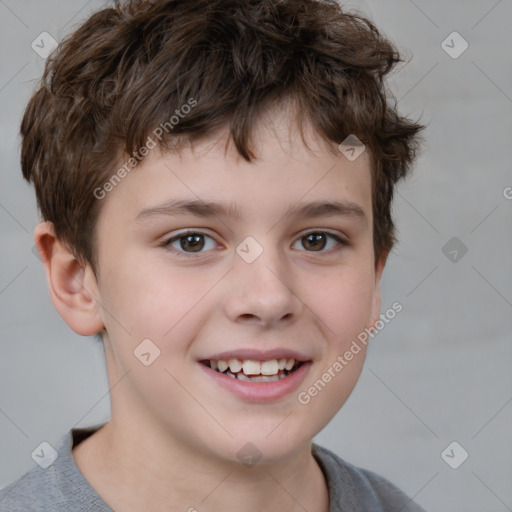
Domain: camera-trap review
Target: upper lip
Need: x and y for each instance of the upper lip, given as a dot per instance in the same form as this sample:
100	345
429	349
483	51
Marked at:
258	355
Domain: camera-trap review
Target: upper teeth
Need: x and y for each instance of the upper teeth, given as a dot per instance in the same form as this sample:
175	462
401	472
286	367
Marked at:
251	367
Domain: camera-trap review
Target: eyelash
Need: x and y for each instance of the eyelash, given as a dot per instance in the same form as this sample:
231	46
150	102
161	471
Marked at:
167	244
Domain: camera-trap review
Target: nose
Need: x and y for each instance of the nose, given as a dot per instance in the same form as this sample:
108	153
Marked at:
262	292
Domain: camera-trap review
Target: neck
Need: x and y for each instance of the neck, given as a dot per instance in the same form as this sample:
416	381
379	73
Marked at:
160	475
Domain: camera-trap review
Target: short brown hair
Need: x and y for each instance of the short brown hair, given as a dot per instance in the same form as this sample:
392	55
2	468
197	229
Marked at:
127	68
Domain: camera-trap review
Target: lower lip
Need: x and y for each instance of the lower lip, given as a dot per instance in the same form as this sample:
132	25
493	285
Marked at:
260	391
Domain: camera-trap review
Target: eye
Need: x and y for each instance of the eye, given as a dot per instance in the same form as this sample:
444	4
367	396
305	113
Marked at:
189	243
318	240
192	243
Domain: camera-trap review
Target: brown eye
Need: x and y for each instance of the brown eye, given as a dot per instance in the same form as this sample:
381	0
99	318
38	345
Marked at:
316	241
190	243
193	243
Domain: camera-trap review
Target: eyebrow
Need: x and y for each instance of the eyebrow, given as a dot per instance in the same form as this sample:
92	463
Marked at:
207	209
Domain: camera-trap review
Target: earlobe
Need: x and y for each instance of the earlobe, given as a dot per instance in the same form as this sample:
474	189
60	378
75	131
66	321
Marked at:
73	287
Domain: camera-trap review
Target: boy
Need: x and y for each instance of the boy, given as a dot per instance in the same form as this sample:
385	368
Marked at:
215	178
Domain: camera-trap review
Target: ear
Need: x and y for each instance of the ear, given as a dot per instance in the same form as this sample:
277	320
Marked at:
379	267
73	287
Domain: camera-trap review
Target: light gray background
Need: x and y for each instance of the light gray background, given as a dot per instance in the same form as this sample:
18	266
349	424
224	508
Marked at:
439	372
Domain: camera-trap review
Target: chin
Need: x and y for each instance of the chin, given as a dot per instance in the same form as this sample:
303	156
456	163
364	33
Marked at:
256	445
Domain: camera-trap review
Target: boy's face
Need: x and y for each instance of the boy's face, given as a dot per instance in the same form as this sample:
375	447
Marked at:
201	296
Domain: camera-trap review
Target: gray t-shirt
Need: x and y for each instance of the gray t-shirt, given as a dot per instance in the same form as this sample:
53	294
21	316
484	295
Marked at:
61	487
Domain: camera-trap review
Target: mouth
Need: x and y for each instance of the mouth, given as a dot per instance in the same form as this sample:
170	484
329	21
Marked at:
251	370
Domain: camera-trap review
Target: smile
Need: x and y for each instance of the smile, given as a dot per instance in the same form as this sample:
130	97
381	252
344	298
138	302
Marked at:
249	370
257	381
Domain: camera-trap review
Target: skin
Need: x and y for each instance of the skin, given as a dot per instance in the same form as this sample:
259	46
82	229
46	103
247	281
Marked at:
174	434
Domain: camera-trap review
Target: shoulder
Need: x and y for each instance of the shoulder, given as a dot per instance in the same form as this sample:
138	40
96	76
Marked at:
356	489
58	487
36	490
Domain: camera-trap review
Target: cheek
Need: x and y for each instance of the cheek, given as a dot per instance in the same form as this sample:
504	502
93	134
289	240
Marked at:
153	302
151	319
344	311
344	304
143	297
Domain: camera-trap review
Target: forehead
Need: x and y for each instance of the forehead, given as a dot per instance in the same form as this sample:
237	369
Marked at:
291	168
